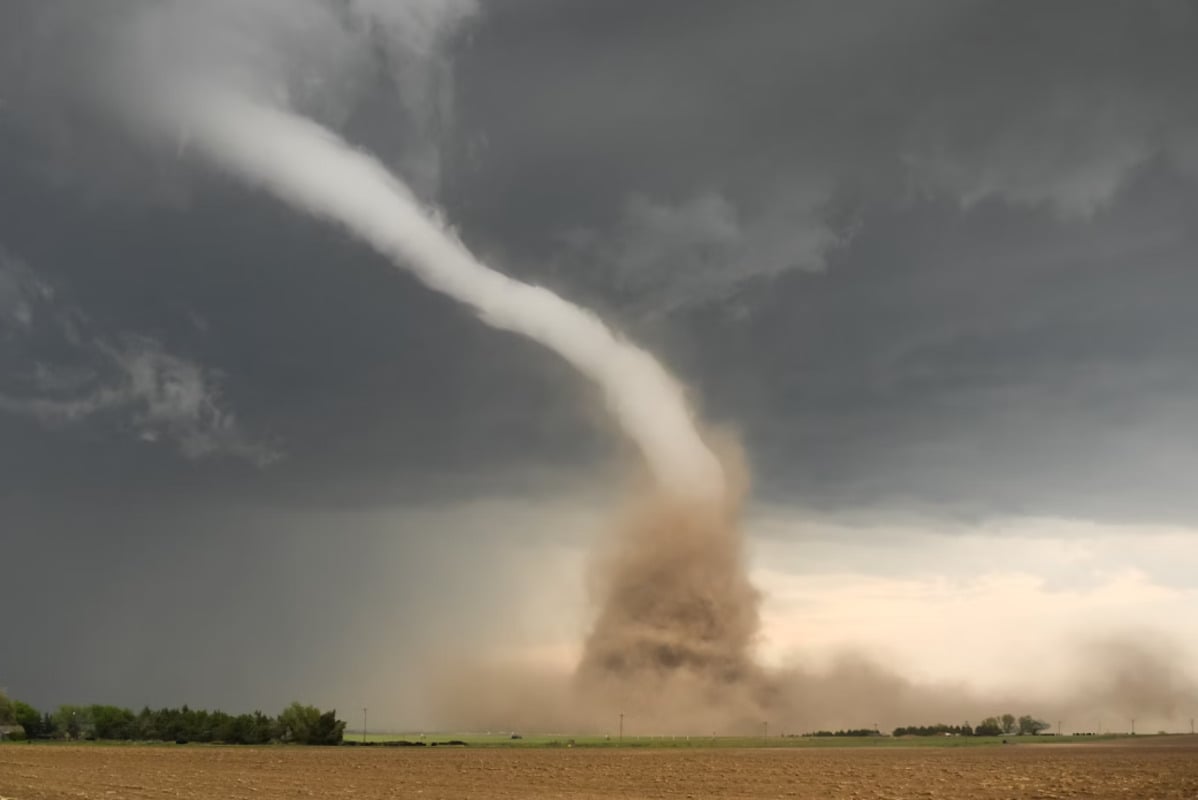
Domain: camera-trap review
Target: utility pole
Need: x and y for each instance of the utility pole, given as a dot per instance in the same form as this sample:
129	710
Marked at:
1191	726
1133	726
363	724
765	732
621	726
1060	730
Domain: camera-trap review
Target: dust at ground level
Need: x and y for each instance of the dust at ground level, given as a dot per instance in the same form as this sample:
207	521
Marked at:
1155	767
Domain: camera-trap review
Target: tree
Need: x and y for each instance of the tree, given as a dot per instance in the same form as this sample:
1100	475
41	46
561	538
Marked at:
72	721
990	726
263	729
28	718
1030	726
297	722
145	725
307	725
6	713
112	722
329	729
1008	723
939	729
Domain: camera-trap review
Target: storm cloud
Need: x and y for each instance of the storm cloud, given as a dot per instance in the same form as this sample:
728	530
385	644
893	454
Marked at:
932	261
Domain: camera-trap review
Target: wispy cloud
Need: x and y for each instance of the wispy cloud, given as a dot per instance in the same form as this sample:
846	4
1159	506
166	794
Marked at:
671	254
59	372
20	290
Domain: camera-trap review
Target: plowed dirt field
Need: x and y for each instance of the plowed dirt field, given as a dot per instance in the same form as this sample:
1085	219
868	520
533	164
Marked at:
1141	770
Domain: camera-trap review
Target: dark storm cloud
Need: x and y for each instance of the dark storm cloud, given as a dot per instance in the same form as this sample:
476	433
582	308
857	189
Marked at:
929	253
997	199
59	373
992	361
796	113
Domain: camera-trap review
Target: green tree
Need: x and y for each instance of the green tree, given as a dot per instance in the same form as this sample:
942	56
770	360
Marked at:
28	718
73	721
262	728
329	729
256	728
990	726
6	713
144	726
307	725
199	726
1008	723
111	722
297	722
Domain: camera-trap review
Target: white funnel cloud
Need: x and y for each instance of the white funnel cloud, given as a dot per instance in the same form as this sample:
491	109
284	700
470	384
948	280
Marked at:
314	170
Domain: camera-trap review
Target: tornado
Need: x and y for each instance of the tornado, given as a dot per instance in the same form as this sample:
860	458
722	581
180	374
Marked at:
312	169
674	603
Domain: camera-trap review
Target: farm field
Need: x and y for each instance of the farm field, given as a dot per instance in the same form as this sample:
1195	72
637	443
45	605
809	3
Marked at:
1148	767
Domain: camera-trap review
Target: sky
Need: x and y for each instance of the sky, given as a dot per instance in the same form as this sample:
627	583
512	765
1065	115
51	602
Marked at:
931	263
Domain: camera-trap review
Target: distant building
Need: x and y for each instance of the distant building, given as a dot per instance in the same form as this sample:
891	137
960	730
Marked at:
11	731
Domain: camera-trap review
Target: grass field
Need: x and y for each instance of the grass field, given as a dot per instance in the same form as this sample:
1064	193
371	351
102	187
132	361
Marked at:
552	741
571	740
563	740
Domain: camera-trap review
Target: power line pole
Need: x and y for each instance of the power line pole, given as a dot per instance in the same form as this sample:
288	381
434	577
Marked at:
363	724
621	726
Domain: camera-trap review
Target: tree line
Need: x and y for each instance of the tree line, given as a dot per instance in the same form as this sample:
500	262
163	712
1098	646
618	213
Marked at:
298	724
1007	724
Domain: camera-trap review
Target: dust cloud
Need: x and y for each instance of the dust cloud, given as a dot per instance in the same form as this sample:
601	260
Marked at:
672	650
478	693
672	587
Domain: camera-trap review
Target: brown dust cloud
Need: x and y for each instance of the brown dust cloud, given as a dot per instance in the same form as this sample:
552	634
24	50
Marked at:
672	647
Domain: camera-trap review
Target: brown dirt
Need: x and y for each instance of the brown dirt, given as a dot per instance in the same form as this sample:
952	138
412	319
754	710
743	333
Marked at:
1165	769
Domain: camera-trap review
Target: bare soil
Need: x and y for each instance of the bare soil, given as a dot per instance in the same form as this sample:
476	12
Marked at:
1155	768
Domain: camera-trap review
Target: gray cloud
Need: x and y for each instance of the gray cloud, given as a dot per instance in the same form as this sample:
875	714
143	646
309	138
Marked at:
829	110
60	373
1015	364
20	290
662	256
996	221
